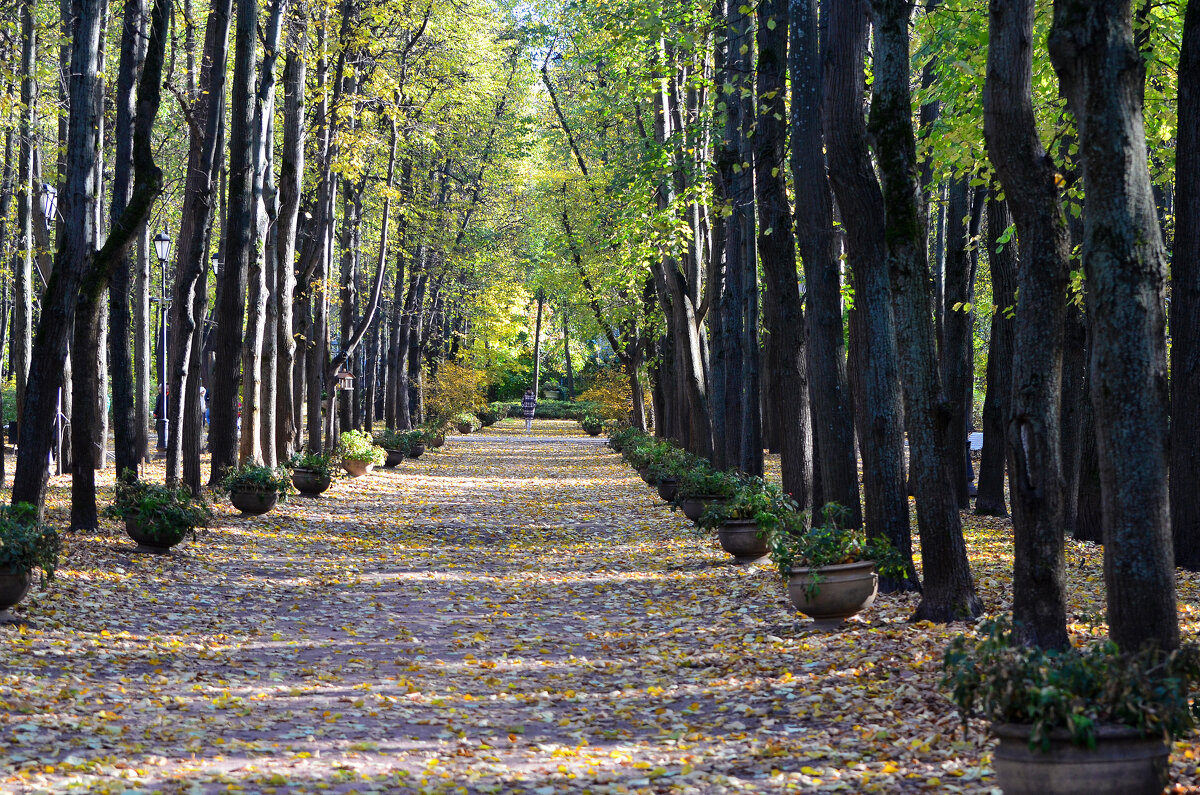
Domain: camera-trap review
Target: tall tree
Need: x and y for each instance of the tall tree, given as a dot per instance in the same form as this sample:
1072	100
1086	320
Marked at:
1102	75
949	593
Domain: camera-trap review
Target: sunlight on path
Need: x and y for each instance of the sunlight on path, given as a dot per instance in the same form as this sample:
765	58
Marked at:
511	613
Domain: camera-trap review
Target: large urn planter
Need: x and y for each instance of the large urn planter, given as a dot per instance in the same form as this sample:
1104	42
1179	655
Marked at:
394	457
437	441
841	591
740	538
147	541
308	481
647	478
14	586
357	469
254	503
465	428
693	507
667	488
415	450
1122	763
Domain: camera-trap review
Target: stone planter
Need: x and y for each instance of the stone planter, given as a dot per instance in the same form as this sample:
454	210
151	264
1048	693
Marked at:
1122	763
693	507
415	450
843	590
465	427
146	542
438	440
394	457
357	468
254	503
667	489
309	482
739	537
14	585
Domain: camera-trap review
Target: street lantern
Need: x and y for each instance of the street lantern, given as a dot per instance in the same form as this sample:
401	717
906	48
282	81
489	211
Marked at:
162	246
345	380
49	202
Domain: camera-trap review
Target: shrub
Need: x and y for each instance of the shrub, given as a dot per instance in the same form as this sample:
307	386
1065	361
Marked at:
166	513
555	409
260	479
996	677
755	499
672	463
390	439
625	436
357	446
455	389
704	481
321	464
467	418
26	543
610	394
591	424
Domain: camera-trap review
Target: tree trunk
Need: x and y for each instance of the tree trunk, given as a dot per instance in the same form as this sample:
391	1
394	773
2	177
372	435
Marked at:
1102	73
832	417
782	307
195	228
1185	304
240	222
873	348
23	264
537	344
957	349
949	593
291	172
1002	259
570	390
141	345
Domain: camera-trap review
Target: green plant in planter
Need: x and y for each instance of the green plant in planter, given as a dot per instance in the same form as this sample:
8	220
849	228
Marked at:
829	543
390	439
26	543
487	416
258	479
646	452
321	464
467	418
755	499
410	439
591	425
625	436
357	446
704	481
430	431
994	676
166	513
672	463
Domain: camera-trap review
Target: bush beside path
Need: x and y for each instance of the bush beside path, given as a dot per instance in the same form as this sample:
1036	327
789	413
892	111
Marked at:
497	616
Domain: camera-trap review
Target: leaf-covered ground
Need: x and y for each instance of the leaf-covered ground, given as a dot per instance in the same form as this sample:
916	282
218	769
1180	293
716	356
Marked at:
512	613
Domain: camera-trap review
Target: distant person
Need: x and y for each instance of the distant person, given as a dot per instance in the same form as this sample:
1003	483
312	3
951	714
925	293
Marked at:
204	404
528	407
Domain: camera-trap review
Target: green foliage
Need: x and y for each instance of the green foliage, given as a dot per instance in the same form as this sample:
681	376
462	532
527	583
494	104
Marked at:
756	499
704	481
357	446
626	436
994	676
321	464
611	395
409	440
556	409
259	479
591	424
467	418
672	463
26	543
166	513
487	416
646	451
456	389
828	543
390	439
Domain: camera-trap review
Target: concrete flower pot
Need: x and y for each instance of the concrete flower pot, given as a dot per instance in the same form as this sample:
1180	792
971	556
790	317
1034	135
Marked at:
667	489
309	482
254	503
842	591
1122	763
693	507
739	537
415	450
357	468
147	541
465	428
14	585
394	457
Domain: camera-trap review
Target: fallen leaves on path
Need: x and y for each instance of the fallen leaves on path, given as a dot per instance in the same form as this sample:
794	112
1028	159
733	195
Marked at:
511	613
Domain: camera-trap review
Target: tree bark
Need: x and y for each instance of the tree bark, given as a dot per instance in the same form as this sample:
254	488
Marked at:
1102	73
1002	261
949	593
195	227
782	307
957	349
1185	304
21	343
873	350
832	417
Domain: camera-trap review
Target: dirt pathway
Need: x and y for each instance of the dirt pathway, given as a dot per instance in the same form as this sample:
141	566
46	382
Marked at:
512	613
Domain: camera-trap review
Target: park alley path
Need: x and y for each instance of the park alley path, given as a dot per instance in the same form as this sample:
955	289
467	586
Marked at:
511	613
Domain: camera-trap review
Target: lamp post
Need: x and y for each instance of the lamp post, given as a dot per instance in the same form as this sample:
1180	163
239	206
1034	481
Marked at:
162	248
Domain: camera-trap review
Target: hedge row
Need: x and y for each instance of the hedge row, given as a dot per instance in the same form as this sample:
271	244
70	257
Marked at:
557	409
